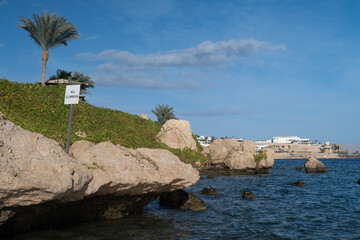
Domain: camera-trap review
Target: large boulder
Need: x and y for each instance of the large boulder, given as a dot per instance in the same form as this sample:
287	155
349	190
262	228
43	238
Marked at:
234	155
312	165
120	170
177	134
35	169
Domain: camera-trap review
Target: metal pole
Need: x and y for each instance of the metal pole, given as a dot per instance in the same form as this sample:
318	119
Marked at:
69	129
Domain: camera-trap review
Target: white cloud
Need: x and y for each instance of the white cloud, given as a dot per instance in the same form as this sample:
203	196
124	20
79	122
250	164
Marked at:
206	53
4	2
162	70
91	37
141	80
2	44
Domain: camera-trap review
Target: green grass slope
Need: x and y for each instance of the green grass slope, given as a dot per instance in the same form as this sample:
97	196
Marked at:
41	109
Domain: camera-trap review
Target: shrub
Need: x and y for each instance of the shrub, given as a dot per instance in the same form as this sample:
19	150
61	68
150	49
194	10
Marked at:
41	109
260	156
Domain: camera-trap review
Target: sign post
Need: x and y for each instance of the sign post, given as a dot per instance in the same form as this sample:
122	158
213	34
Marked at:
72	93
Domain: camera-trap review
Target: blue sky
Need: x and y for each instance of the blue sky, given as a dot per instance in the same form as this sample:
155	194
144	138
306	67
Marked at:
250	69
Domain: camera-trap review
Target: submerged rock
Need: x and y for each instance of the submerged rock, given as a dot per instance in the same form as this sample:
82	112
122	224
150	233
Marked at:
299	168
177	134
209	191
299	183
247	194
181	199
359	181
210	177
312	165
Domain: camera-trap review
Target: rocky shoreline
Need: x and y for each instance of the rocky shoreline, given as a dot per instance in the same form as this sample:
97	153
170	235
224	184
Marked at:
41	186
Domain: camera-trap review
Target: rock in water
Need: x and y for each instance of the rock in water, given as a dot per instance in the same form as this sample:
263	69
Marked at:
359	181
247	194
177	134
299	183
233	155
299	168
209	191
181	199
312	165
210	177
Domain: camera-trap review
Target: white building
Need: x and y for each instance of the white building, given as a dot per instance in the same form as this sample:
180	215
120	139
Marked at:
260	147
204	141
289	139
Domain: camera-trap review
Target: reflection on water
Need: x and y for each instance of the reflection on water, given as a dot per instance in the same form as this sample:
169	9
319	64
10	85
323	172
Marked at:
328	207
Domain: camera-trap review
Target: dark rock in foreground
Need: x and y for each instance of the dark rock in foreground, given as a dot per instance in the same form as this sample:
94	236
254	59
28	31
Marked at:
359	181
247	194
312	165
299	168
209	191
181	199
55	214
299	183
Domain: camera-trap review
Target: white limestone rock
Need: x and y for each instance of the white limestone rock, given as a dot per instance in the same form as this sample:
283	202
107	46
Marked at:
177	134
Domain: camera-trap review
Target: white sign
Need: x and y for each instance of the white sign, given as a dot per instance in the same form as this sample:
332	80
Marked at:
72	93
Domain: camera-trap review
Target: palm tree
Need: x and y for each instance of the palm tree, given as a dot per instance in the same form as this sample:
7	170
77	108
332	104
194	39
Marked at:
86	82
163	113
76	78
61	74
49	31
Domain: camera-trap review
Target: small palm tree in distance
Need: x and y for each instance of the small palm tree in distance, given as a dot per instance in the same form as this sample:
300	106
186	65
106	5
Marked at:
163	113
48	31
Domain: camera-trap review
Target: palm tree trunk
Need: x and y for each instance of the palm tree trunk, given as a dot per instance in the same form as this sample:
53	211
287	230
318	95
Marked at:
44	58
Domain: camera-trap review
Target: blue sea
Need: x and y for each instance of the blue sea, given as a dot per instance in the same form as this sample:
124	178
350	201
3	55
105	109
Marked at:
328	207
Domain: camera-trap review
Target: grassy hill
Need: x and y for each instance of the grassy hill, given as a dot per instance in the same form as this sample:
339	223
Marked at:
41	109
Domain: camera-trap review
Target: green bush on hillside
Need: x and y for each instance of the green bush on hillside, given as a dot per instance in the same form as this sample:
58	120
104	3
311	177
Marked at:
41	109
259	156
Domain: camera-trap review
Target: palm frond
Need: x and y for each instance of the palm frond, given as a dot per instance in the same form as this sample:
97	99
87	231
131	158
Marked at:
49	31
163	113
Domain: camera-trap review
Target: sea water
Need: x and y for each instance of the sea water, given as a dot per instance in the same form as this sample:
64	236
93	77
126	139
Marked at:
328	207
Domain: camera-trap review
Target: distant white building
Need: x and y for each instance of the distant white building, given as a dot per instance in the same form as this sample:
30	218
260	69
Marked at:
260	147
264	141
204	141
289	139
238	139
